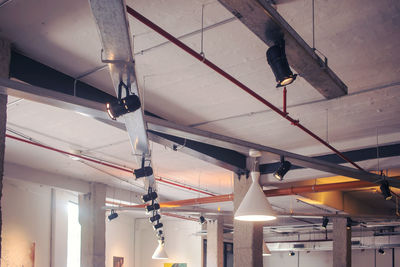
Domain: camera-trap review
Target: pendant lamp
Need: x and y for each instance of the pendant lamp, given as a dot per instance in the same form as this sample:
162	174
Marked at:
160	253
255	207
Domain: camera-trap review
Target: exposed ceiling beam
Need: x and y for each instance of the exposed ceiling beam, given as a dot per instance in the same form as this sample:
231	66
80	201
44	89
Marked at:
385	151
97	111
265	22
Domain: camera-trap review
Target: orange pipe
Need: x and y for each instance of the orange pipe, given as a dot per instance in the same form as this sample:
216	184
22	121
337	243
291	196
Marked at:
268	193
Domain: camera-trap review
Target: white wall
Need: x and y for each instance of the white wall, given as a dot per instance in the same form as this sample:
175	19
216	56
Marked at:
180	243
120	239
26	219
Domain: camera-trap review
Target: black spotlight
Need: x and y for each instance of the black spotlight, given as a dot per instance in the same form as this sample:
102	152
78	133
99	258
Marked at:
284	167
113	215
291	253
143	172
159	233
123	106
349	223
276	57
156	217
202	220
149	196
156	206
381	251
386	190
157	226
325	222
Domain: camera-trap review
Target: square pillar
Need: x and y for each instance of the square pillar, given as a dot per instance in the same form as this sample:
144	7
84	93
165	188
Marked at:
247	236
215	243
93	226
5	56
341	243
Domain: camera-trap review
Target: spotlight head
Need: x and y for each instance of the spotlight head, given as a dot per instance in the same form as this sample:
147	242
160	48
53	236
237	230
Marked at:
386	190
276	57
156	206
157	226
291	253
325	222
284	167
349	223
202	220
126	105
113	215
143	172
159	233
156	217
150	196
381	251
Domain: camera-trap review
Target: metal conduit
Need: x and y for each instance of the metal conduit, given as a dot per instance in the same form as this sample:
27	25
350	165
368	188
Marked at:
208	63
162	180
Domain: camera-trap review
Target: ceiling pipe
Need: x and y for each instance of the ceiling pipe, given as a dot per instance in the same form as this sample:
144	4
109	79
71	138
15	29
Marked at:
268	193
127	170
208	63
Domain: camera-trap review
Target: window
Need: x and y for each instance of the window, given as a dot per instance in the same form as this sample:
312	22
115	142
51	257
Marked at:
74	236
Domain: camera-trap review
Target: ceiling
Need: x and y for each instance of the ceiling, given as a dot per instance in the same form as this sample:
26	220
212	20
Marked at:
362	49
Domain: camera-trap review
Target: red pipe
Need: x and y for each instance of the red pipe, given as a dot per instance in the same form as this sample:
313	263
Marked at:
199	57
284	100
104	164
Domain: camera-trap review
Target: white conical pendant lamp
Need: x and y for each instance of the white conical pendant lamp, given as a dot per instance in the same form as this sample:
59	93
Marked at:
160	253
255	207
266	251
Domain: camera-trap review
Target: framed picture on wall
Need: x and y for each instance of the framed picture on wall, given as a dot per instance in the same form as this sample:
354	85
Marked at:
118	261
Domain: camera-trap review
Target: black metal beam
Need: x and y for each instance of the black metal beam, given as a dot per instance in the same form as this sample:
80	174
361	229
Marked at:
355	155
223	157
35	73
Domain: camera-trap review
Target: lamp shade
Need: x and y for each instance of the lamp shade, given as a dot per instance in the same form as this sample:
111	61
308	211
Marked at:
255	206
266	251
160	253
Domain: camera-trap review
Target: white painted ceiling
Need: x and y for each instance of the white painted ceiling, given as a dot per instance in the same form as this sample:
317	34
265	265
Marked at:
360	38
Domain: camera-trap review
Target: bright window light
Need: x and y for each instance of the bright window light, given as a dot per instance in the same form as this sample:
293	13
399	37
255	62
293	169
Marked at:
74	236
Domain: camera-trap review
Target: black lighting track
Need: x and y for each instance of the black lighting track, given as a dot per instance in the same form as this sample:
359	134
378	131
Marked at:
385	151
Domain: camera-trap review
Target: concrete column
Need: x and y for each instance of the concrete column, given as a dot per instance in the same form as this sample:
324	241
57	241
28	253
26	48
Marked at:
341	243
247	236
5	56
93	226
215	243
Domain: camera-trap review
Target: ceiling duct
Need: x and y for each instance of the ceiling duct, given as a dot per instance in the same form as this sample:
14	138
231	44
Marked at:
265	22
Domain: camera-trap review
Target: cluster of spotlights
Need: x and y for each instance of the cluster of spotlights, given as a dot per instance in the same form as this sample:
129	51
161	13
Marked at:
122	106
283	168
153	209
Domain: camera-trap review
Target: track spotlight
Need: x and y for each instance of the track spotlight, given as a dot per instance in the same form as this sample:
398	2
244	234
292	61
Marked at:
156	206
202	220
266	251
381	251
291	253
156	217
349	223
276	57
325	222
255	206
149	196
157	226
386	190
113	215
143	172
159	253
284	167
159	233
123	106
